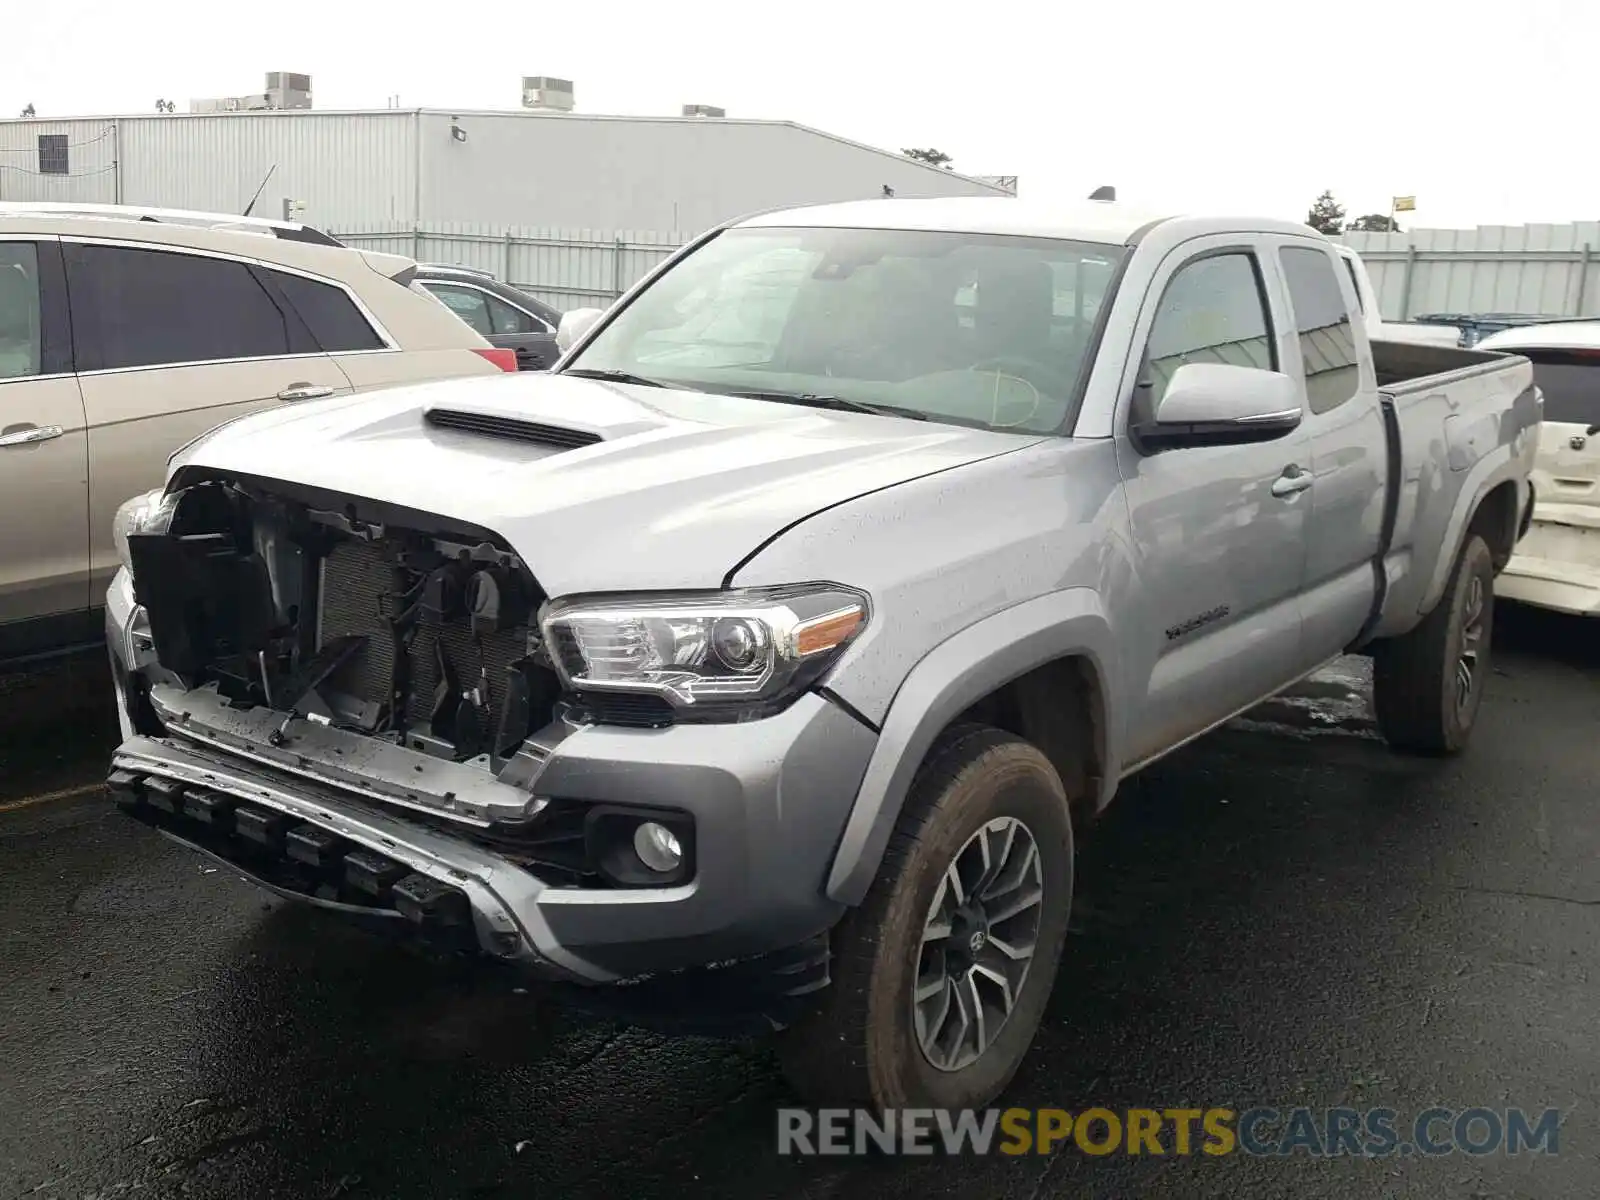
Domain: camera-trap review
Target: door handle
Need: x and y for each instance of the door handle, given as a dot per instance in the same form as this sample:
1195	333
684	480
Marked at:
1292	482
304	391
33	433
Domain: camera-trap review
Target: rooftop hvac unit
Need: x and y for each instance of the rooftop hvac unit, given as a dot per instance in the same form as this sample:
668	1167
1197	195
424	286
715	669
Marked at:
703	110
545	92
288	89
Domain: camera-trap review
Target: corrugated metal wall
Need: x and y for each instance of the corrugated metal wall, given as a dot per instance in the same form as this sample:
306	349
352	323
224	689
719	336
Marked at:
91	162
574	171
519	169
1543	269
347	168
567	268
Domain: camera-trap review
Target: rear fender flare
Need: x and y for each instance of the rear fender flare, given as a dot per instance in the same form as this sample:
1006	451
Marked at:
947	681
1495	469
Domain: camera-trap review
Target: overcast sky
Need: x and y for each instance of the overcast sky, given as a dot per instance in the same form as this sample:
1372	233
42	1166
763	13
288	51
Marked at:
1483	111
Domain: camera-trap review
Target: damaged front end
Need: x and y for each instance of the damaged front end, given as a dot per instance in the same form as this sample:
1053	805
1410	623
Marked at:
380	711
279	626
351	703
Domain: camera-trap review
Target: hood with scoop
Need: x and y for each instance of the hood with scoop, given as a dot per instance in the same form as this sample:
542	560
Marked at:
599	486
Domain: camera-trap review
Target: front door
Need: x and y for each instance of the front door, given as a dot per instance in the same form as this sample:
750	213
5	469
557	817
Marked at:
1218	532
44	489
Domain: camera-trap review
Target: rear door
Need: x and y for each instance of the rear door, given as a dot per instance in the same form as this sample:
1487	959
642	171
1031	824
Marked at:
44	487
503	323
170	343
1344	418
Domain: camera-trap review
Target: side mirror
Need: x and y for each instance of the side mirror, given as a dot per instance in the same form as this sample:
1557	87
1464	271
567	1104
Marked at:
574	325
1217	404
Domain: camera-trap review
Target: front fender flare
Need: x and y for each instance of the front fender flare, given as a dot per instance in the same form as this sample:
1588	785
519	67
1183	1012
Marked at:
947	681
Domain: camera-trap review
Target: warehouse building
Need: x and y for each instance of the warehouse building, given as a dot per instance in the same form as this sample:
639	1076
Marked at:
543	166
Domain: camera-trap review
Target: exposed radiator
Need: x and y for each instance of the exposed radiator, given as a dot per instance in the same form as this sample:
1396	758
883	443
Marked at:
355	578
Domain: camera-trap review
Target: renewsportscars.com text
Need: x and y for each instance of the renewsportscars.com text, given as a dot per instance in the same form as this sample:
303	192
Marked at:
1309	1132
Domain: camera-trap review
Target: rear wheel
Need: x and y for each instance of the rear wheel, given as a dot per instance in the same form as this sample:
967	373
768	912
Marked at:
1428	685
942	974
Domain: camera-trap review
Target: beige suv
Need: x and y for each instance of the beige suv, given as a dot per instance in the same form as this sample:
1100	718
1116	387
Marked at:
125	333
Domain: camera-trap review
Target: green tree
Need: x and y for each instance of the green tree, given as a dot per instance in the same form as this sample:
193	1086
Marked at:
1326	215
1374	223
934	158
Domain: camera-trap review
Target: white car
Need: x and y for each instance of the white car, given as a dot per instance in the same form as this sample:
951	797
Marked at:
125	333
1557	565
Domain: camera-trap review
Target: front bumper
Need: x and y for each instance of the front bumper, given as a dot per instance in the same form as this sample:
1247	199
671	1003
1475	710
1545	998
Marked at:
768	800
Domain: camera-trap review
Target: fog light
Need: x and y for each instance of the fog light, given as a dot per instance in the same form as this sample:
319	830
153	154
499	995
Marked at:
657	847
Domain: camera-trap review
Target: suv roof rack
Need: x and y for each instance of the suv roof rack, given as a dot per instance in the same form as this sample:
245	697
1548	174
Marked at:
288	230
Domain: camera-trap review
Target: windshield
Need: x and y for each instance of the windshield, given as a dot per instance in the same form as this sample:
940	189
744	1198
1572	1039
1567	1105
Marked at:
973	329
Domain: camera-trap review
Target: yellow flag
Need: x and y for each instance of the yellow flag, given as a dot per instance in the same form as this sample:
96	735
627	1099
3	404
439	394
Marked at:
1405	204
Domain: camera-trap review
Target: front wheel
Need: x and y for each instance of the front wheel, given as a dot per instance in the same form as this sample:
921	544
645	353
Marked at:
941	976
1428	684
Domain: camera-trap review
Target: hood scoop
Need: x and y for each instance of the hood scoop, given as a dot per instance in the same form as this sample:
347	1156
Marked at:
513	429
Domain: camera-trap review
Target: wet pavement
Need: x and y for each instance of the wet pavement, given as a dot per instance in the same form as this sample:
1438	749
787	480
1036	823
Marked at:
1282	914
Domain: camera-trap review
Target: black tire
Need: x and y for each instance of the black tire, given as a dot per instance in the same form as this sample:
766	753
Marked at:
859	1046
1415	680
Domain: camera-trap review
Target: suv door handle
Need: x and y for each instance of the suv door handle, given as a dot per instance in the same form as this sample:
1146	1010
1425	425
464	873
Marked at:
1292	482
31	434
304	391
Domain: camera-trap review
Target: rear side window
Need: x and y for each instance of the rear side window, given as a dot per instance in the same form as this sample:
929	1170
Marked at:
141	308
1327	343
1213	311
336	324
1570	381
471	305
508	319
21	326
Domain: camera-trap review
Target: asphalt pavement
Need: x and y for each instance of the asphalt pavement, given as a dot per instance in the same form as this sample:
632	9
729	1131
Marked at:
1282	914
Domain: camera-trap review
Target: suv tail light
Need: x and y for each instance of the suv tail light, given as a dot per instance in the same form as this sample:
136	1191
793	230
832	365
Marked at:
506	360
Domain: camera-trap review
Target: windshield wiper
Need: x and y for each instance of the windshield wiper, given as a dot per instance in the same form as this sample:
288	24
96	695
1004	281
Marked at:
836	403
611	376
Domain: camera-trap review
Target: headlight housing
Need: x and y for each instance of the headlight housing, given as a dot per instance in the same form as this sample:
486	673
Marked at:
136	515
714	655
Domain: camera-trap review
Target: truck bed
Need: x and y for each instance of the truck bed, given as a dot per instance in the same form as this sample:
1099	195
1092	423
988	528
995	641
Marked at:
1472	405
1406	367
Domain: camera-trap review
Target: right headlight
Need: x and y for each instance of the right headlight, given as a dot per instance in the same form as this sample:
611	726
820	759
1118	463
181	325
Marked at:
135	516
721	654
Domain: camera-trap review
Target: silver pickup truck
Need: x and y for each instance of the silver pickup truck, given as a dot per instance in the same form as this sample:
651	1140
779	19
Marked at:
784	638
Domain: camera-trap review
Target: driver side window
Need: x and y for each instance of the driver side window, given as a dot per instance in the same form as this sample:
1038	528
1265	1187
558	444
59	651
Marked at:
1213	310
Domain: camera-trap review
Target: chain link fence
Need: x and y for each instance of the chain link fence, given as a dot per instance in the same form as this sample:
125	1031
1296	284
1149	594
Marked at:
566	268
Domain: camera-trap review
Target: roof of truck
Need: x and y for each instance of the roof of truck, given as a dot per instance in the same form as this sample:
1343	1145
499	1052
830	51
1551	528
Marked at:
1086	220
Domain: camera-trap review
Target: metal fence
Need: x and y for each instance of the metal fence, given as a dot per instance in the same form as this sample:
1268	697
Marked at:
1542	269
566	268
